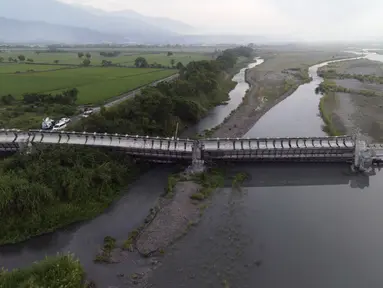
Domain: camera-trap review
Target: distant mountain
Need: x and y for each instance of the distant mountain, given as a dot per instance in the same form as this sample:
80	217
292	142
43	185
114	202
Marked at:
54	12
161	22
15	31
164	23
54	21
213	39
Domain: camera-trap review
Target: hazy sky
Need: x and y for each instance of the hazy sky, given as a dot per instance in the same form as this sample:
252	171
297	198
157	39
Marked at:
308	19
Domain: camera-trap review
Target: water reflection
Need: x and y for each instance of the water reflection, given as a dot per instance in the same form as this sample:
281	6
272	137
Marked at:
301	225
302	174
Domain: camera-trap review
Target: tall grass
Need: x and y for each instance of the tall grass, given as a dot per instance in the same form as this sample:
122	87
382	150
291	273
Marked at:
50	189
328	126
53	272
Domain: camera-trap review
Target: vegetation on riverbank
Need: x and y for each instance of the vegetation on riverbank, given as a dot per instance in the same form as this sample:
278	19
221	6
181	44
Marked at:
53	272
326	114
328	86
365	78
57	186
209	181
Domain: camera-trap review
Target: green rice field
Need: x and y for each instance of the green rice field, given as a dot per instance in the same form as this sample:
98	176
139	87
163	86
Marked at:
125	58
95	84
6	68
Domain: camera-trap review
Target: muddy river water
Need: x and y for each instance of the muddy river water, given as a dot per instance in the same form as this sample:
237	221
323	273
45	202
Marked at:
290	225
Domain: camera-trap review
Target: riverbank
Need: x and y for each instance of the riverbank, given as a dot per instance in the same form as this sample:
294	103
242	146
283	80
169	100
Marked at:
353	98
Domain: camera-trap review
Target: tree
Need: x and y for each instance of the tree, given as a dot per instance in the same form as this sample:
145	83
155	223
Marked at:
106	63
1	59
21	57
80	54
86	62
172	62
88	55
10	59
7	99
170	53
56	61
141	62
180	66
30	60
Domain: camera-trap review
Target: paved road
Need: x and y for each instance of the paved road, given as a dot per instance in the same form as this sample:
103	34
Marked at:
123	97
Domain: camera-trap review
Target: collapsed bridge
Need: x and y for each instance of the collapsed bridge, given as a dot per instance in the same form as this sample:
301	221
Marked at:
307	149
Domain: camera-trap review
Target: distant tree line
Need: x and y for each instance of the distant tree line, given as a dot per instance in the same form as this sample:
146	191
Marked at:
68	97
110	54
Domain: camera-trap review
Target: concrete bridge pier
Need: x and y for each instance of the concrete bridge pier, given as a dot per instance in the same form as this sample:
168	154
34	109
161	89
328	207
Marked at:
198	164
363	155
26	147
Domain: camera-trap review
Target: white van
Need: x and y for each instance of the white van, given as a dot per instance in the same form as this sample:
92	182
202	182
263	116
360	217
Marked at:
59	125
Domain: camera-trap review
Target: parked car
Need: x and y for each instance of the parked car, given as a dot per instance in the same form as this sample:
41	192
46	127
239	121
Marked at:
66	120
87	112
60	125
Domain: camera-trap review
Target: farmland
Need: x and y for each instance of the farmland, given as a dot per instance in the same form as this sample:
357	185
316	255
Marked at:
124	58
45	72
95	84
14	68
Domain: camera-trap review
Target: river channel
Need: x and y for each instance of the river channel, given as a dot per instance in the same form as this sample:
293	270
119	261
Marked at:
290	225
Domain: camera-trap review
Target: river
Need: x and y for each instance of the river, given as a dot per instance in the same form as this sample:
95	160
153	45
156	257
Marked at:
291	225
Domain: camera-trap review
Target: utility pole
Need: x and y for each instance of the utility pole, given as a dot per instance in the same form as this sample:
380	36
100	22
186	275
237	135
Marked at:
175	134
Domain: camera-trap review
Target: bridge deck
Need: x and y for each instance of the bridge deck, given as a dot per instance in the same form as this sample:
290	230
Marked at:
259	149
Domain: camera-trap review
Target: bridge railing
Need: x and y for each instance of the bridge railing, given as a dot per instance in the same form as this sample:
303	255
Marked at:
231	144
112	140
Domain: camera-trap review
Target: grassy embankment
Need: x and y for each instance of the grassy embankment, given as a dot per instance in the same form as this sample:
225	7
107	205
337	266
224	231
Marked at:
53	272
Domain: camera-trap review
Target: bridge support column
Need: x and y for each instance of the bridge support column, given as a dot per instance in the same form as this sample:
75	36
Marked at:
198	164
26	147
363	155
